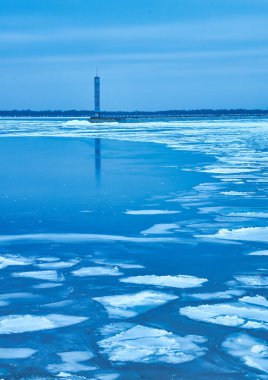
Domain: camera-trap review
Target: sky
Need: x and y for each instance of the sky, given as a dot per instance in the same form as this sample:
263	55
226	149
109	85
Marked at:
150	54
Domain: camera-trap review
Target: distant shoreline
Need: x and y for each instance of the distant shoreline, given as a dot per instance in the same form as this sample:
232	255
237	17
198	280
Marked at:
137	114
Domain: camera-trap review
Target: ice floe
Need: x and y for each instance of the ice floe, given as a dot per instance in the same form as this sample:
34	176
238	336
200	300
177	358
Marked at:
96	271
16	353
261	215
234	314
227	170
151	212
143	344
259	253
130	305
57	264
256	300
12	324
123	265
81	238
252	281
12	260
179	281
161	229
217	295
251	351
47	285
244	234
236	193
71	362
49	275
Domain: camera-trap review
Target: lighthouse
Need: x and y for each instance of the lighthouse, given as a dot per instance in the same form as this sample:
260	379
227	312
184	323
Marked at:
97	95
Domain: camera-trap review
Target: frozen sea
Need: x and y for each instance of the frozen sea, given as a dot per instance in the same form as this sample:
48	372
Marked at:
134	250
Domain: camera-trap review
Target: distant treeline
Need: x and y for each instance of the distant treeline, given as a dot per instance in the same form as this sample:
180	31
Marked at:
135	114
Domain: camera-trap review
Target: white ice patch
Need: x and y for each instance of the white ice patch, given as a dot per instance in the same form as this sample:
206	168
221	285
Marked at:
179	281
259	253
151	212
161	229
16	353
59	304
130	305
96	271
251	351
252	281
11	260
142	344
13	324
244	234
49	275
71	362
235	314
58	264
217	295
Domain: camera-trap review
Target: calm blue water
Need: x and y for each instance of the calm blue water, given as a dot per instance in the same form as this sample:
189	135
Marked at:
134	250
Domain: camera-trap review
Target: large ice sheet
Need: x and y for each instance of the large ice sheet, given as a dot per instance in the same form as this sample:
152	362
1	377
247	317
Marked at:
149	345
179	281
12	324
234	314
130	305
251	351
96	271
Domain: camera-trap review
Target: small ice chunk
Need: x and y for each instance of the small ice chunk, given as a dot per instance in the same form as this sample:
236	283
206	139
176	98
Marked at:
251	351
13	324
58	264
16	353
160	229
236	193
49	275
151	212
12	260
130	305
142	344
261	215
96	271
179	281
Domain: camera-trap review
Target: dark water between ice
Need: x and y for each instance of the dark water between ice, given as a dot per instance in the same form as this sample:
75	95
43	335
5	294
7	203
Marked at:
133	250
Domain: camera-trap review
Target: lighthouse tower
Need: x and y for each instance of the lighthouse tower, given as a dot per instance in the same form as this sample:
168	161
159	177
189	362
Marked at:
97	95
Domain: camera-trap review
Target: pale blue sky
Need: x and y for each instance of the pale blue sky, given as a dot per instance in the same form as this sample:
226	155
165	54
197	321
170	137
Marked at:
151	54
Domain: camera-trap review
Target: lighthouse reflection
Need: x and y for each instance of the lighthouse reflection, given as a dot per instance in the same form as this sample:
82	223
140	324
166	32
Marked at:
98	160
